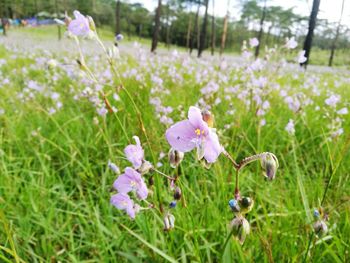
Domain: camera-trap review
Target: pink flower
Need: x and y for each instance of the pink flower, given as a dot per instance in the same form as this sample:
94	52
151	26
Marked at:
135	153
123	202
131	180
80	25
186	135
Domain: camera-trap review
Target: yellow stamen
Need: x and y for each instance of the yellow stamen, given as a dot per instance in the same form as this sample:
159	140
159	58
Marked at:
132	183
198	132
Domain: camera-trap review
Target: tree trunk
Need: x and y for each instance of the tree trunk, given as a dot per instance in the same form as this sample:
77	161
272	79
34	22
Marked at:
213	30
204	31
196	31
189	29
156	27
310	33
224	32
117	18
262	20
59	35
334	43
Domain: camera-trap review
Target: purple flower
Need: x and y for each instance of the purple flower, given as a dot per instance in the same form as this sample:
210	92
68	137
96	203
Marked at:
135	153
186	135
131	180
80	25
123	202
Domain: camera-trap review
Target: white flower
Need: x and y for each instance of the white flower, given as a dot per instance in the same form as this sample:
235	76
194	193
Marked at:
343	111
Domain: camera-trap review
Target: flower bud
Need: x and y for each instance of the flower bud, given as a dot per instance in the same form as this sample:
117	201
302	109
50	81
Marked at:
146	166
172	204
316	214
91	23
241	228
175	157
169	222
246	204
113	167
177	193
151	180
320	228
269	163
208	117
234	205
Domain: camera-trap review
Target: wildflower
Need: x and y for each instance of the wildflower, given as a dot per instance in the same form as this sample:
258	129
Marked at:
119	37
145	167
240	227
301	57
254	42
343	111
269	163
131	180
186	135
135	153
290	127
169	221
332	100
172	204
80	25
123	202
175	157
291	43
113	167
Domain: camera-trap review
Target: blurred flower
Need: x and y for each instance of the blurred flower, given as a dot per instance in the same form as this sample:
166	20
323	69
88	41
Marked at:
291	43
301	57
254	42
131	180
123	202
135	153
320	228
290	127
119	37
80	25
186	135
332	100
113	167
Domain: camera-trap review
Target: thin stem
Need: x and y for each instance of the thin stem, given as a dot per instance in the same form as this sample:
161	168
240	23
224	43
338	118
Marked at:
166	176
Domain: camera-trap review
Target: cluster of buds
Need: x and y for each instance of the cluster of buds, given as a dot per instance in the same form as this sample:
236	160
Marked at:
320	226
239	225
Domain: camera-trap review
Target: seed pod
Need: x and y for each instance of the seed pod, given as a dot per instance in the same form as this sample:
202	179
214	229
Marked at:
175	157
320	228
208	117
246	204
240	227
177	193
269	163
234	205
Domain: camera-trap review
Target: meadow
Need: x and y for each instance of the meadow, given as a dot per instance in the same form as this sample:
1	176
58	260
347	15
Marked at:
63	124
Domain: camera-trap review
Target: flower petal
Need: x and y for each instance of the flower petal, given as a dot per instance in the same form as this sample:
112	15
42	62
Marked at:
195	117
212	147
181	136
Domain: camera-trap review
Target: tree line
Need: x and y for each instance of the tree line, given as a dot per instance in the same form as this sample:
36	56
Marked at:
189	23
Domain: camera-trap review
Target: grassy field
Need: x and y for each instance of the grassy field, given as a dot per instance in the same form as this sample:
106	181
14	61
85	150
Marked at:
56	139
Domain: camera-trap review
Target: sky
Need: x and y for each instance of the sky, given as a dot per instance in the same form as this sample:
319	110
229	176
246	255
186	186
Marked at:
329	9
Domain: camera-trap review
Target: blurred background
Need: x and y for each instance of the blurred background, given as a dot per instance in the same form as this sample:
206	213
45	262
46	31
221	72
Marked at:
212	25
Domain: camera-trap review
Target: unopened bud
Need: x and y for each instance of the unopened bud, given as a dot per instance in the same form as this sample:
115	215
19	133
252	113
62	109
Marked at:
246	204
92	25
172	204
146	166
67	19
177	193
169	222
113	167
241	228
175	157
320	228
119	37
208	117
269	163
317	214
233	203
151	180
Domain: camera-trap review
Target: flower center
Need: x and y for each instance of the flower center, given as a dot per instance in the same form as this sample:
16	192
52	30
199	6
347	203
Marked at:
133	183
198	132
124	203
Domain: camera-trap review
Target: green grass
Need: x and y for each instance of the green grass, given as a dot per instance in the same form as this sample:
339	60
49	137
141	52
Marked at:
55	185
